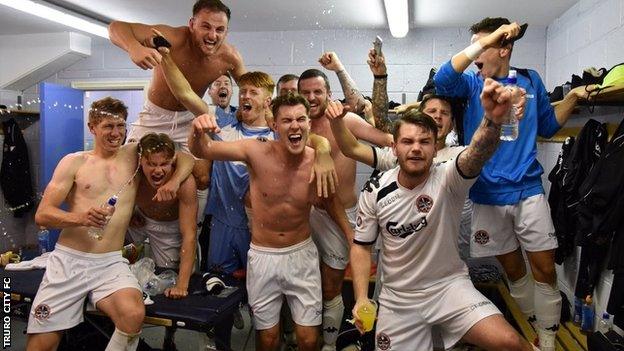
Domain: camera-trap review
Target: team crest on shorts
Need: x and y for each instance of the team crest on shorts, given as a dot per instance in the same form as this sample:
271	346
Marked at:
481	237
358	221
42	312
383	341
424	203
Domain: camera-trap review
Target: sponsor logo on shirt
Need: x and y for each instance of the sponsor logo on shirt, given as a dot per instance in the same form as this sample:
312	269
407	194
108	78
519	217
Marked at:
389	201
403	230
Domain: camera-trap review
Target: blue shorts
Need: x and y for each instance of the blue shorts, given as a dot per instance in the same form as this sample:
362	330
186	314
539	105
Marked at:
228	247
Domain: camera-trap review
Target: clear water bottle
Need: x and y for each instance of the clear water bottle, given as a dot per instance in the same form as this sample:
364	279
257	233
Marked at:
96	232
43	238
605	323
509	129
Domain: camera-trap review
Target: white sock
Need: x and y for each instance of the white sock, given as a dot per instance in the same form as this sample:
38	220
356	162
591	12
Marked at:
522	290
547	313
202	199
332	318
121	341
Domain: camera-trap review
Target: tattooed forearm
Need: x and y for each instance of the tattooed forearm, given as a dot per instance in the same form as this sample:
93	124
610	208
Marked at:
482	146
380	104
351	91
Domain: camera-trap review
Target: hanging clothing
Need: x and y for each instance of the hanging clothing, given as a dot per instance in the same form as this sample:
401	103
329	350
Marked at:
15	178
559	212
600	212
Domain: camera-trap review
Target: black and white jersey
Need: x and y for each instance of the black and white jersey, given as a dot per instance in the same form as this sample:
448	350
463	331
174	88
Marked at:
384	159
418	226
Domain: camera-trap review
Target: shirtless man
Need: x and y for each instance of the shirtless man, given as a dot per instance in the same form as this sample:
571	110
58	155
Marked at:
82	266
283	261
332	244
203	56
169	225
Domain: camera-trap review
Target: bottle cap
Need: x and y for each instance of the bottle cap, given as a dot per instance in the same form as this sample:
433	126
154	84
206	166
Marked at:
112	201
511	77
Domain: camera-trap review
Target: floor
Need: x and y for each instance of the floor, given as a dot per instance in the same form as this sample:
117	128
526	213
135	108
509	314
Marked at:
186	340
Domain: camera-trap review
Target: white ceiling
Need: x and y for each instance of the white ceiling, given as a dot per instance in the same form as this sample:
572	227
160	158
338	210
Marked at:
277	15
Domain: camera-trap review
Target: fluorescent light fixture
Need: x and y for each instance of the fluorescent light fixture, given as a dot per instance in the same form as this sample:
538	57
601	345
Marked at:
398	17
57	16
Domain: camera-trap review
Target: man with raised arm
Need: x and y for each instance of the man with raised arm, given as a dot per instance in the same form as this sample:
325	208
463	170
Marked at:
203	55
332	244
416	207
510	211
283	260
83	265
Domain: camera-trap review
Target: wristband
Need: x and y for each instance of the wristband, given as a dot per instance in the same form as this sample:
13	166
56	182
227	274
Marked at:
474	50
380	76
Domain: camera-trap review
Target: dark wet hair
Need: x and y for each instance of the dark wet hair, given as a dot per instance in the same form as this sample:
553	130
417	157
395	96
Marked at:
289	99
212	5
287	78
313	73
488	25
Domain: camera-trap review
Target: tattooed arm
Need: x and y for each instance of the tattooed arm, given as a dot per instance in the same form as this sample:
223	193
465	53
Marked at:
496	102
377	65
355	99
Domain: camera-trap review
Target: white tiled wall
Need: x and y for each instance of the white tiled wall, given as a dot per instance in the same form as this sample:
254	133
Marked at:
591	33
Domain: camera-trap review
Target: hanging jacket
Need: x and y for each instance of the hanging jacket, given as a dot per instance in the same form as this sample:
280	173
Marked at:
559	212
15	178
601	205
600	212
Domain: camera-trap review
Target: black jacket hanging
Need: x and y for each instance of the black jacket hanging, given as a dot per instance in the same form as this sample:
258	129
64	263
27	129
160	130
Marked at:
564	228
15	172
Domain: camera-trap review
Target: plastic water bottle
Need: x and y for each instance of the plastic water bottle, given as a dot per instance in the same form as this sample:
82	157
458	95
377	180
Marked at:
509	129
605	323
587	321
578	311
43	238
96	232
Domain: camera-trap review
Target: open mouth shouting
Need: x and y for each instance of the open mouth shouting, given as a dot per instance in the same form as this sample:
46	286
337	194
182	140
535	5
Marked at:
223	93
246	107
157	179
295	139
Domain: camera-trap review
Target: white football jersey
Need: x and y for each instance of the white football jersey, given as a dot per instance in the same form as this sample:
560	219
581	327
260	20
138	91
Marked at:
418	226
